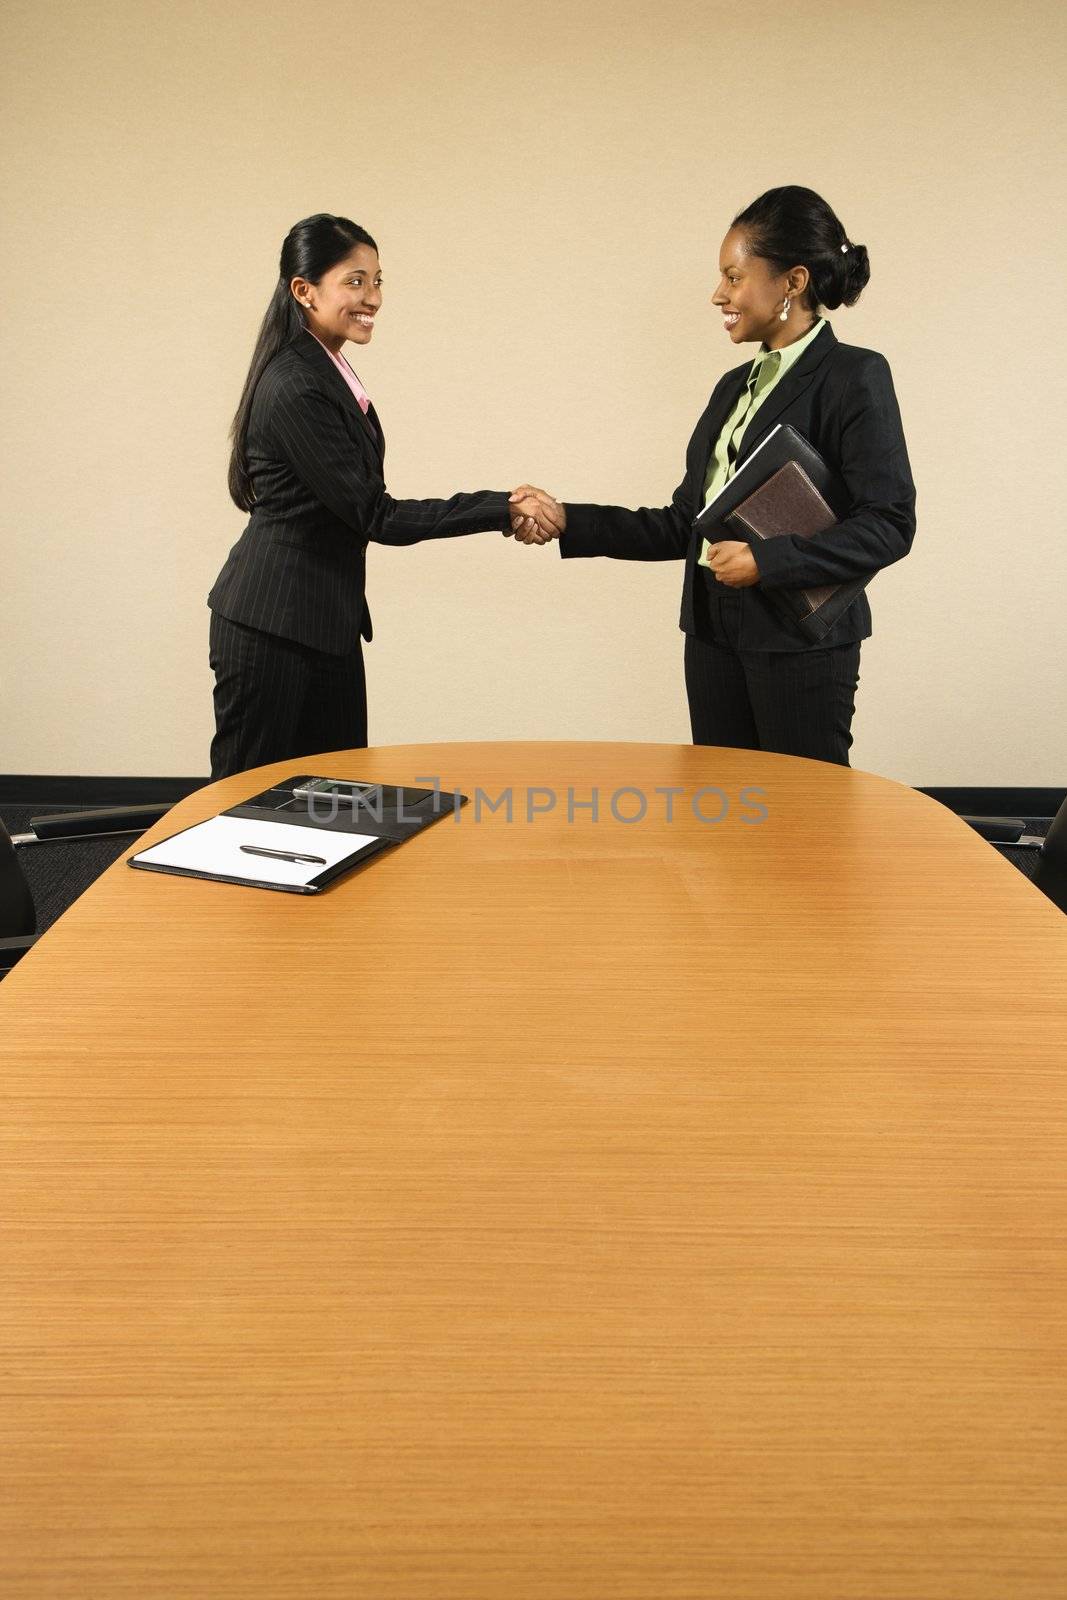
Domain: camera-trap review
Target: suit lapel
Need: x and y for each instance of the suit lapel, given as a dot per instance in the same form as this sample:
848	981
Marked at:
715	417
717	413
374	420
789	389
309	348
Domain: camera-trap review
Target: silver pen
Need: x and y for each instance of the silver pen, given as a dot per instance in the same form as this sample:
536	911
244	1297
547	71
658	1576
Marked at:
282	855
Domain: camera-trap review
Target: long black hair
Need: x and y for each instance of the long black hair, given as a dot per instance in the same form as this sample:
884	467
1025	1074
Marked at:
794	227
311	248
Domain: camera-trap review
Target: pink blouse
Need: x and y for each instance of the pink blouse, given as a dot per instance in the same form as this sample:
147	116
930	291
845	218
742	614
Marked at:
349	376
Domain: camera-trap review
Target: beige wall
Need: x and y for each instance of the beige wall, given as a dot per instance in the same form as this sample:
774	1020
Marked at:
549	184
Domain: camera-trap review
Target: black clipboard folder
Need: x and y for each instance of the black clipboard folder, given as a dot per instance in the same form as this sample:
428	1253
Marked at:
785	487
254	842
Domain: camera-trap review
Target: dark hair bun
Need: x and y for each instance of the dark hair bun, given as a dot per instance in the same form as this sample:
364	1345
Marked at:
792	227
840	280
858	275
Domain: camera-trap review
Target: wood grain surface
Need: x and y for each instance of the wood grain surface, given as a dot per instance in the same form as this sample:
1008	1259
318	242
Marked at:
553	1208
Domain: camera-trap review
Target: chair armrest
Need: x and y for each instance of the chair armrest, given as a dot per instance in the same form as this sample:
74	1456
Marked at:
12	949
998	830
92	824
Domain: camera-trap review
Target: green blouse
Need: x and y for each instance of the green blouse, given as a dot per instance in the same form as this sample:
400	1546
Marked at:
769	368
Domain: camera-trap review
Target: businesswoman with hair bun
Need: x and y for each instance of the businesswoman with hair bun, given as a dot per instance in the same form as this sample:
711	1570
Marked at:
753	680
288	609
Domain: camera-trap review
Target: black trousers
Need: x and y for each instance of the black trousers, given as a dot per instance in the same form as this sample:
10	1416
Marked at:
276	699
799	703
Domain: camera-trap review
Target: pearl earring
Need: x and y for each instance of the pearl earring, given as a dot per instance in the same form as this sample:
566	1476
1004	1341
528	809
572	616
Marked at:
785	311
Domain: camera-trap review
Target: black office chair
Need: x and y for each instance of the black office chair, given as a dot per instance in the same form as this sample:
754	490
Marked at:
18	916
18	919
1050	870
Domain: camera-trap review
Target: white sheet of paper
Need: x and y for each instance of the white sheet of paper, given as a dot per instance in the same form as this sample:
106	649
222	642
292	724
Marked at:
215	846
742	468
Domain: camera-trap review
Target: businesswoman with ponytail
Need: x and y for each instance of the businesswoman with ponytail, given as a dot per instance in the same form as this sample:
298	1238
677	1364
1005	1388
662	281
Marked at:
752	679
288	610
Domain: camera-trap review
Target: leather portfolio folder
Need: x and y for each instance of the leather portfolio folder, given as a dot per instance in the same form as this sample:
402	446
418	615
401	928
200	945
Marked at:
299	835
785	487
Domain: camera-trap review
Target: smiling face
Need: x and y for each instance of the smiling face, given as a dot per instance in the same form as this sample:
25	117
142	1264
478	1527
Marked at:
345	301
752	293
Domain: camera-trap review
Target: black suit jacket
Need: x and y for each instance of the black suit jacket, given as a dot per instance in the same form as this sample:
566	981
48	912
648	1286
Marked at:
298	570
841	399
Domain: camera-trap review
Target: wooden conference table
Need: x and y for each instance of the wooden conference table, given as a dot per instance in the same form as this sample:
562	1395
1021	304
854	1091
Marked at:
554	1208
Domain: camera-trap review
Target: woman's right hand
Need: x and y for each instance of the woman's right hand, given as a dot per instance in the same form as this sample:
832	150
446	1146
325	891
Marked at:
536	518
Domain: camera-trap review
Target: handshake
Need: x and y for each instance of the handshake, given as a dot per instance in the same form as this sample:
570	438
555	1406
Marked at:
535	517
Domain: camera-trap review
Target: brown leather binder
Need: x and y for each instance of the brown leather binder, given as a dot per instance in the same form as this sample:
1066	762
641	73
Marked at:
789	503
795	494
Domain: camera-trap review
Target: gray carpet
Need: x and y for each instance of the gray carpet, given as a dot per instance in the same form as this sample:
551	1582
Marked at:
59	872
1025	860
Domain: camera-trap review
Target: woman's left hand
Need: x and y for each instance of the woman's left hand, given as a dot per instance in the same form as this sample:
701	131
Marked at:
536	517
733	563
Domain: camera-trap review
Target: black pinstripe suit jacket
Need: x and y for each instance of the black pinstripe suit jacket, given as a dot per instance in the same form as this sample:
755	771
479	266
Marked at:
841	398
298	570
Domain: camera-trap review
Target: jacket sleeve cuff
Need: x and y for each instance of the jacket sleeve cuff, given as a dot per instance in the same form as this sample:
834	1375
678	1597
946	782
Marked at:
579	539
776	560
497	511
